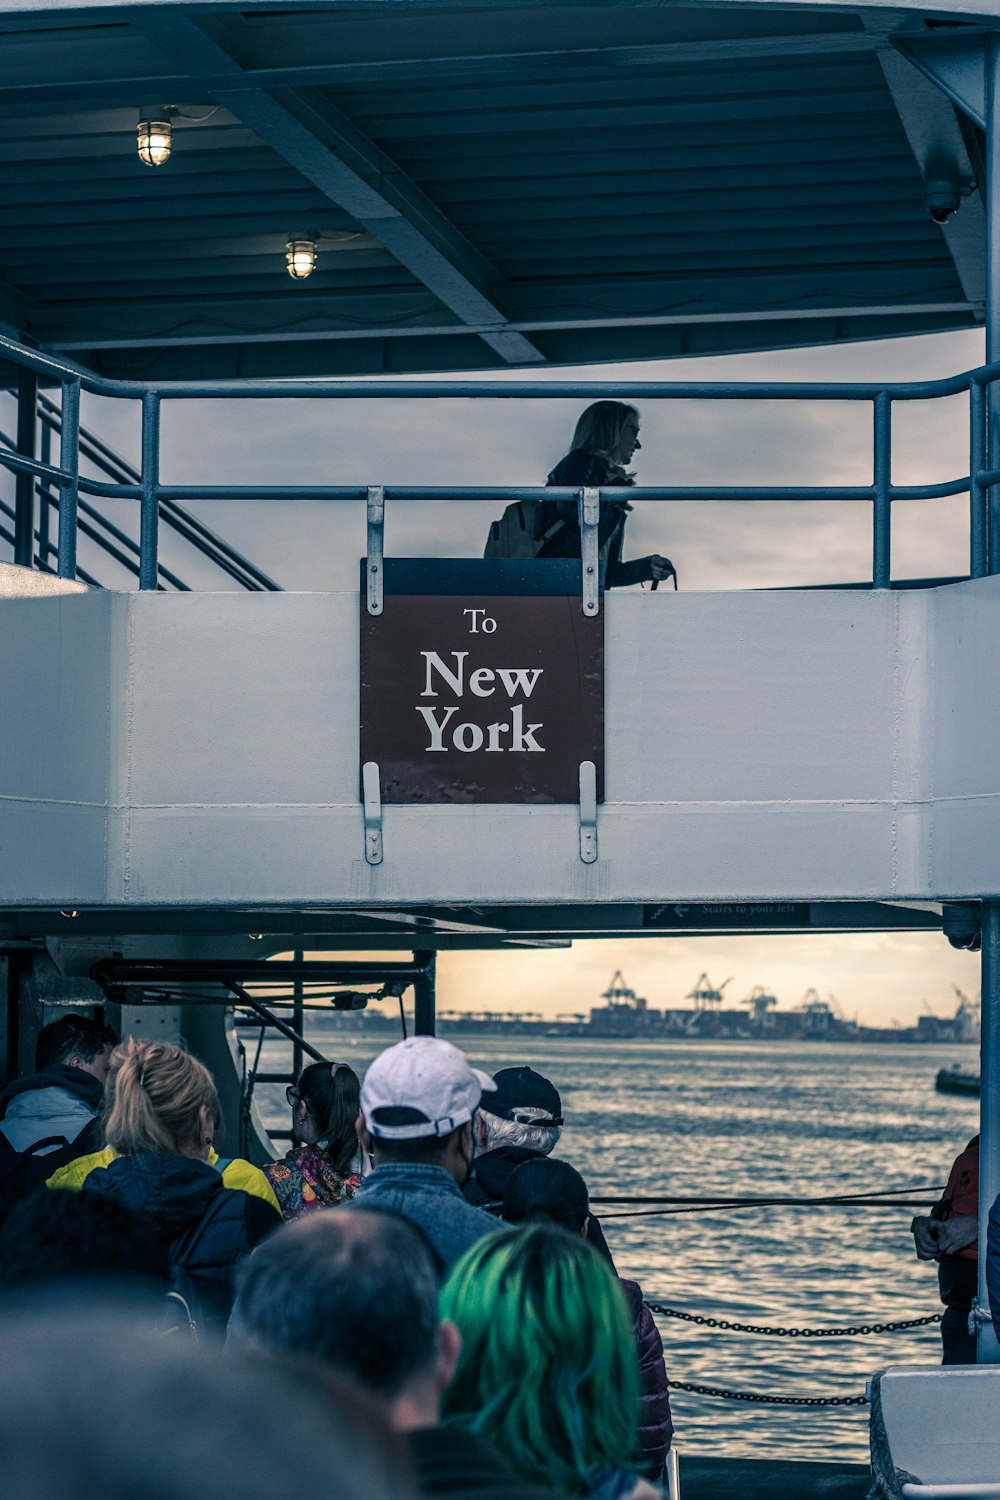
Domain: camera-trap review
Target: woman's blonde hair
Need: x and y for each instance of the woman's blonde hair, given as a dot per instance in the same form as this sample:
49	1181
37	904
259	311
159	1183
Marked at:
155	1092
599	431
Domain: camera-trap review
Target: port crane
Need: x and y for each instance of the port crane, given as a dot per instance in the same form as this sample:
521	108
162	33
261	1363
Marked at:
705	995
759	1002
619	993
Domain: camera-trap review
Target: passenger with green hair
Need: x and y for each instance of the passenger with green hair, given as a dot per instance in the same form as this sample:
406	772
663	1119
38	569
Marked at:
547	1371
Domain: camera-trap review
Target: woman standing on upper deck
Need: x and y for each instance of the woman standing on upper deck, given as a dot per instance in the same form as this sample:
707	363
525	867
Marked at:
606	437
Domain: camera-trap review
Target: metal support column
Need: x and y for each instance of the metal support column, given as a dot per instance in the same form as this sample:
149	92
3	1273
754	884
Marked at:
424	994
24	484
993	287
298	1015
987	1348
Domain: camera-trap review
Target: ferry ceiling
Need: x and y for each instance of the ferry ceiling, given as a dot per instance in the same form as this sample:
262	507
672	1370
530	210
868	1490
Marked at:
485	185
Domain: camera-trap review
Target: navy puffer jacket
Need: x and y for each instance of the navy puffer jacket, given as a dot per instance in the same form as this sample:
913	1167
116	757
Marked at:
655	1425
174	1194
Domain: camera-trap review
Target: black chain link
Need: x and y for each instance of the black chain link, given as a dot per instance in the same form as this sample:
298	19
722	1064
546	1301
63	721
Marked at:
793	1333
714	1390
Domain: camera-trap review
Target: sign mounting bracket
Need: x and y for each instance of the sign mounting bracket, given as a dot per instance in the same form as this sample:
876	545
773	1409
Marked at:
590	515
376	547
588	812
372	792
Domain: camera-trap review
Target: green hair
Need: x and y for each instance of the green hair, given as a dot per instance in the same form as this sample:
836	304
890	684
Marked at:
548	1371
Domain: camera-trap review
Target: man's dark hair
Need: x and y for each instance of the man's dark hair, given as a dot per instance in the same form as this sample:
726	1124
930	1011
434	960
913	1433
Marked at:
71	1036
353	1288
57	1235
428	1150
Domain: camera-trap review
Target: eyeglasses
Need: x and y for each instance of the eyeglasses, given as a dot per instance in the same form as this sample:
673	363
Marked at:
292	1094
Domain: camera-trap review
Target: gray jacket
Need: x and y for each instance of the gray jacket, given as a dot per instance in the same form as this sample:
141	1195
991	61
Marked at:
431	1197
61	1101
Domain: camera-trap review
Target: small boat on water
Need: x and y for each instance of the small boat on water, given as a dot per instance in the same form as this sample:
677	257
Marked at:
957	1080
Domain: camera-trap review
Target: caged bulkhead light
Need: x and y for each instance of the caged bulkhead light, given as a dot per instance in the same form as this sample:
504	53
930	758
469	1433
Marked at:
300	258
153	139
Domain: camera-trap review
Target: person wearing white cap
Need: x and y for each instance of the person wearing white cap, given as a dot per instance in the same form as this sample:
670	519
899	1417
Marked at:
417	1105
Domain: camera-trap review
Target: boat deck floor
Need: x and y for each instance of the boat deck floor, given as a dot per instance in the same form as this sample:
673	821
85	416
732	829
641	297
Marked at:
771	1479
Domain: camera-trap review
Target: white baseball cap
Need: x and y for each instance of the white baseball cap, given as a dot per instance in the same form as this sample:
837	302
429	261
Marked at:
421	1087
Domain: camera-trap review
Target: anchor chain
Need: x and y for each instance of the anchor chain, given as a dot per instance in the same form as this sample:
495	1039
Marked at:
793	1333
714	1390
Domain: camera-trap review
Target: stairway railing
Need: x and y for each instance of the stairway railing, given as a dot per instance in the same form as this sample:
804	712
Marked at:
109	538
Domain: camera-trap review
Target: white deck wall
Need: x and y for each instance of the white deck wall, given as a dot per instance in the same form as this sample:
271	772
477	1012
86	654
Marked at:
158	750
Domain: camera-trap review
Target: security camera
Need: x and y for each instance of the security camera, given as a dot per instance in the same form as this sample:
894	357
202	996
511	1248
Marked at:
961	924
942	198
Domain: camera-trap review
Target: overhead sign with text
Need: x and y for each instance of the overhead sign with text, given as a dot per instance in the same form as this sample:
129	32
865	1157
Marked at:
737	914
482	682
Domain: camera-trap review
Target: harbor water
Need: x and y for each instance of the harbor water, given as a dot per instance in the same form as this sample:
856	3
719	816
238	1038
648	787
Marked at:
741	1119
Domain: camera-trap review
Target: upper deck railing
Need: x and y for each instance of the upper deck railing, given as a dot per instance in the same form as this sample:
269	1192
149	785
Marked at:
981	483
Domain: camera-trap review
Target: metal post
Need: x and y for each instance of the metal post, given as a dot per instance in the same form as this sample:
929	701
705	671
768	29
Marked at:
24	484
298	1016
882	508
424	993
69	461
45	454
150	517
987	1348
977	494
993	286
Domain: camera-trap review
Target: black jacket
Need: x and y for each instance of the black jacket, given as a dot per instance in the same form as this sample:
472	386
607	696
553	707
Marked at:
174	1193
487	1181
448	1461
655	1425
580	469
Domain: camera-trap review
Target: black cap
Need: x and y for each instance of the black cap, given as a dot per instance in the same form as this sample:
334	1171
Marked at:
521	1087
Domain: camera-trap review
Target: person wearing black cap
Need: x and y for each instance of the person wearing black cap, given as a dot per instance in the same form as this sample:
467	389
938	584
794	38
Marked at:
519	1121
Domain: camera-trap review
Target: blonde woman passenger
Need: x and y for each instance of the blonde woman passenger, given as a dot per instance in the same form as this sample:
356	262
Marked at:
234	1170
162	1120
604	442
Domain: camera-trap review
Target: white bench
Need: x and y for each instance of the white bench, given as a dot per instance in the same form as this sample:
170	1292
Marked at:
943	1426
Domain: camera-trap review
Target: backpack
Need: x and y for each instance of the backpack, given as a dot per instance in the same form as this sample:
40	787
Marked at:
182	1311
521	531
21	1172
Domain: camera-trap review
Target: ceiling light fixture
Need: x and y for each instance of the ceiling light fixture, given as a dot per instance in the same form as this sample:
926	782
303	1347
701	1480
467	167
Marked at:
300	258
153	139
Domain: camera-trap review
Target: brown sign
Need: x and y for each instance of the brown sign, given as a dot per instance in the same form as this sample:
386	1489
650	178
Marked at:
480	697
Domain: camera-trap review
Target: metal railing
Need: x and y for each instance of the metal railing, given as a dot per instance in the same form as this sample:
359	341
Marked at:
110	539
159	501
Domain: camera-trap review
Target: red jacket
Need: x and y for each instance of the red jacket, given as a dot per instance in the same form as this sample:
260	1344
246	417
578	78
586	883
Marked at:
961	1196
655	1425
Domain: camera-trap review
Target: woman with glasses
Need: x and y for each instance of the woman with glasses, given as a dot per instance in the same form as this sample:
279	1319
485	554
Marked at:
325	1164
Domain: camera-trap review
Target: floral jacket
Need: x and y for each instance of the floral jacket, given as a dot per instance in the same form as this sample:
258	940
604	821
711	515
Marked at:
305	1179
